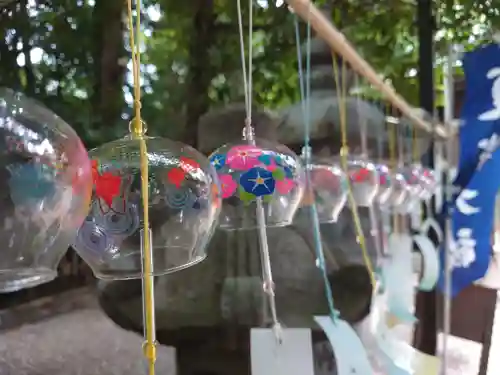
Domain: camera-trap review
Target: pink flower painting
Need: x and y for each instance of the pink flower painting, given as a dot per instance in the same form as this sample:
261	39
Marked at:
284	186
272	167
243	157
228	185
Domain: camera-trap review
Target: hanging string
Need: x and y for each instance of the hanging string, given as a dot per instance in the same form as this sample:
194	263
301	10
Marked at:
344	153
400	224
137	131
362	122
247	78
415	161
305	95
372	210
393	161
382	212
415	146
380	148
393	158
136	56
248	133
409	134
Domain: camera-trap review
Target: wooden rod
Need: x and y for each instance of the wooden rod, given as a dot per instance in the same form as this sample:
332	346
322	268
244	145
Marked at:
339	43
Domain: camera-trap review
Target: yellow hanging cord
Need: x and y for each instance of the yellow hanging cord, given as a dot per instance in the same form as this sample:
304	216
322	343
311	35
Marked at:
344	152
138	131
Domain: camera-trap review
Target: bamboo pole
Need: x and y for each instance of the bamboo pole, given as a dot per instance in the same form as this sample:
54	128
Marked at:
339	43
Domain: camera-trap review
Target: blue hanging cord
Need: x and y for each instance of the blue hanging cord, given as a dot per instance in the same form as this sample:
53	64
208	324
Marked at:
305	94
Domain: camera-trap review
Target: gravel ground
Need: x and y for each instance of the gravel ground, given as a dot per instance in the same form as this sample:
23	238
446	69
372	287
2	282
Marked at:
80	343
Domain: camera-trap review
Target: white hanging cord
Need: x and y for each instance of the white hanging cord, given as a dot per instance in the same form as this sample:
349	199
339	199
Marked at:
362	121
248	134
247	77
305	96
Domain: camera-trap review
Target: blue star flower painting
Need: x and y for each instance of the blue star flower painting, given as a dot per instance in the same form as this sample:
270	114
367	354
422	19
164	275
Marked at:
258	181
218	161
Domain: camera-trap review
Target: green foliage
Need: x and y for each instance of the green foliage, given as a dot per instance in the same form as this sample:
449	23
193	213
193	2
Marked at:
191	60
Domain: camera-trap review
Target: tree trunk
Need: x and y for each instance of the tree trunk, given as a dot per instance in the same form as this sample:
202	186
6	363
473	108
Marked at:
108	28
26	33
9	76
200	69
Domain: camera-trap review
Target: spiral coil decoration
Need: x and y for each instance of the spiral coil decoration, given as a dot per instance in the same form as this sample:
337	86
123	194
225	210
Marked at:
120	223
179	199
93	238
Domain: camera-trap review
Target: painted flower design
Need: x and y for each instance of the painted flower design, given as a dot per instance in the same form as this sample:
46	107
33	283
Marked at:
428	174
383	180
108	187
266	159
272	167
188	165
258	181
361	176
288	172
29	182
176	176
228	185
243	157
412	178
284	186
218	161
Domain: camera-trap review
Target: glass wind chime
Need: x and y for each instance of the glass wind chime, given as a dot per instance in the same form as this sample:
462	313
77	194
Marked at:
141	206
350	356
154	208
394	294
46	189
393	191
262	182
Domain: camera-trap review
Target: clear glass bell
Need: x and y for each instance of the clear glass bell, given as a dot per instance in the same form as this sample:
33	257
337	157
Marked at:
385	189
46	186
428	181
184	203
414	187
364	179
329	187
265	171
400	196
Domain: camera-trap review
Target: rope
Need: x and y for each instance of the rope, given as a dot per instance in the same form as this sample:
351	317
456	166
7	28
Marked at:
137	131
344	153
305	95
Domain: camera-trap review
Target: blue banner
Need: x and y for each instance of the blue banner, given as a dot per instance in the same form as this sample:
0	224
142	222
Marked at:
478	179
472	224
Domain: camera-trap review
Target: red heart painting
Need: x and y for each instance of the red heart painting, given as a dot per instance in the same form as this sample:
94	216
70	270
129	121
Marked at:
107	186
360	176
